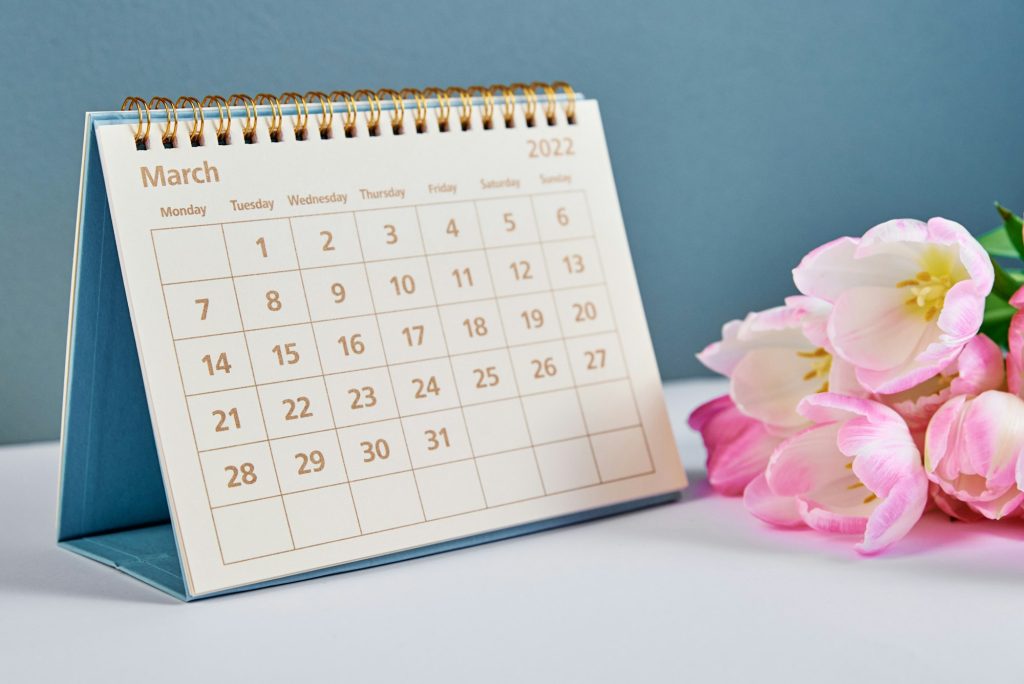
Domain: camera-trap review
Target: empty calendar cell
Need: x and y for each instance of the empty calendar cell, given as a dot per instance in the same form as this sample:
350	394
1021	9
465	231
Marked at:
518	270
308	461
389	233
541	367
321	515
573	263
596	358
460	277
495	427
283	353
207	307
252	530
349	344
529	318
424	386
361	396
584	311
608	406
400	284
238	474
436	438
509	477
184	254
388	502
567	465
328	240
295	407
621	454
507	221
553	416
472	326
260	247
450	227
562	215
223	419
373	450
337	292
272	299
450	489
484	376
412	335
210	364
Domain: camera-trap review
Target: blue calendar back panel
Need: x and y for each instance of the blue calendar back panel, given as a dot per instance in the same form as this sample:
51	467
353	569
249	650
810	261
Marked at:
110	478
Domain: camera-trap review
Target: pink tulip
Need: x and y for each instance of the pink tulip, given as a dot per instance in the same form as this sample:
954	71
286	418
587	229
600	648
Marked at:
738	446
973	450
1015	359
855	471
978	368
906	298
775	358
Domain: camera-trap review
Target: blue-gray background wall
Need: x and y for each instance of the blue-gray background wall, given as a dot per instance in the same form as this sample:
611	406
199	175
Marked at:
742	132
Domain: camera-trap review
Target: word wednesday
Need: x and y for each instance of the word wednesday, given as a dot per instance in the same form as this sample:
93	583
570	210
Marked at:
161	177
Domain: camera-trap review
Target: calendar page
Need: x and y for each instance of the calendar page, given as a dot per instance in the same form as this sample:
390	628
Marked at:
359	345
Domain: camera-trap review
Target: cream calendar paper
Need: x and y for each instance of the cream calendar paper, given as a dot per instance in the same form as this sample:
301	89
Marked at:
361	345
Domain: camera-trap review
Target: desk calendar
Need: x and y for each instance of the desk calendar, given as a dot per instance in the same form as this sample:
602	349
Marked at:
316	333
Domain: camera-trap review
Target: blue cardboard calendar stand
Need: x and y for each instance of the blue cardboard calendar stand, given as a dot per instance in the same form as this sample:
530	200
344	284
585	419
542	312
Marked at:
112	503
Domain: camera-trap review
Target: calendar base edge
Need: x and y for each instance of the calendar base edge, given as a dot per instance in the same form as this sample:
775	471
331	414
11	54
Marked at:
149	554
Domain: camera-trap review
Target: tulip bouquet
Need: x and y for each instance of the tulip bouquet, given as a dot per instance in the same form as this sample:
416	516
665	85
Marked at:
881	390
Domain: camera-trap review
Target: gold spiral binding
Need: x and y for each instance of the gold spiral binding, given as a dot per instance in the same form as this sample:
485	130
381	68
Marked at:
512	95
398	113
531	100
195	131
249	126
373	115
570	102
167	137
487	97
274	125
420	117
508	103
466	106
350	110
141	132
301	113
443	106
326	112
223	117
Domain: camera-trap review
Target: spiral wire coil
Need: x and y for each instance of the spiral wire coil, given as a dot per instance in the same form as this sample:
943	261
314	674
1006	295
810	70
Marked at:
453	108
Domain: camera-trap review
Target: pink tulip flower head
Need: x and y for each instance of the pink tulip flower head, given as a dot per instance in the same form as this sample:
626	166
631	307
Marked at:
775	358
907	297
1015	357
973	450
738	446
855	471
977	369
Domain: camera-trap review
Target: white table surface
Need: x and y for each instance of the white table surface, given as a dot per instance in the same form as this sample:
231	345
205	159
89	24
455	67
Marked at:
694	591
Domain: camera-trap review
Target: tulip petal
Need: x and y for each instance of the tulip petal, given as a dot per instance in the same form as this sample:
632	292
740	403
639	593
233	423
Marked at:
768	384
760	500
806	462
829	270
829	520
896	515
872	328
738	446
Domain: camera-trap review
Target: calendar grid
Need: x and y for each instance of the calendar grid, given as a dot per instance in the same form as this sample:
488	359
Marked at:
342	492
330	408
391	379
451	366
259	401
561	335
